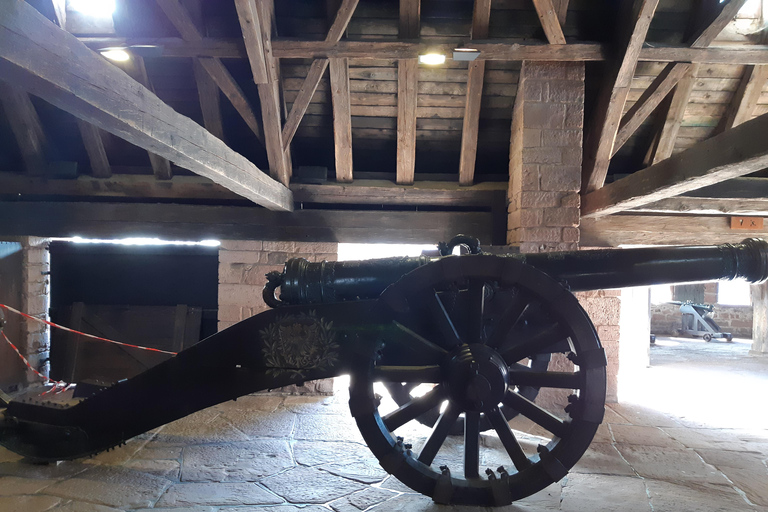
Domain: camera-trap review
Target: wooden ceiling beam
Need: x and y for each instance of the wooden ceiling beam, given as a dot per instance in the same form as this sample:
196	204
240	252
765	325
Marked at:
476	73
674	117
26	127
407	93
550	22
714	16
94	146
136	69
182	21
643	229
737	152
247	13
598	145
757	207
52	64
342	119
280	166
316	71
649	101
745	98
561	6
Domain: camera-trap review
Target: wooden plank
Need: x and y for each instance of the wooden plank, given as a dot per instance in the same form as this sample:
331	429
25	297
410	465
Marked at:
316	71
179	327
52	64
550	22
674	117
734	153
186	222
746	97
615	230
94	146
26	127
468	156
342	119
598	145
707	206
210	101
410	19
249	24
650	99
407	92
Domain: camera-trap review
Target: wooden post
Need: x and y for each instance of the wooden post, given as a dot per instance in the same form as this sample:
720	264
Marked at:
760	318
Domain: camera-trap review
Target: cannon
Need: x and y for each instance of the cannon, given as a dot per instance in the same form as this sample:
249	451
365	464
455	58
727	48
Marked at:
464	344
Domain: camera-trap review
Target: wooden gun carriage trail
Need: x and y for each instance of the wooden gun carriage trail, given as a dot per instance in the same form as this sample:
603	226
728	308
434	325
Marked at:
481	334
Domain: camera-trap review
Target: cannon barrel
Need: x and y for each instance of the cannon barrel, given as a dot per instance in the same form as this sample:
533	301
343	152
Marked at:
303	282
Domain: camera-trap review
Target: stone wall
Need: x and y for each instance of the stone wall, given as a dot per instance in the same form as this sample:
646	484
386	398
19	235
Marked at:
242	266
666	319
604	309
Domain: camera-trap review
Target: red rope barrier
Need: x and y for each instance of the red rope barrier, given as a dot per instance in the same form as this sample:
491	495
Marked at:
56	383
46	322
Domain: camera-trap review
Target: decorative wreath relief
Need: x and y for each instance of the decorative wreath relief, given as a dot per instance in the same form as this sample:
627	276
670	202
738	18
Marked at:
299	343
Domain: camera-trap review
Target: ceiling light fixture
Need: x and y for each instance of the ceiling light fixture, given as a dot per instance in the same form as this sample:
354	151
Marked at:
116	54
432	59
465	54
94	8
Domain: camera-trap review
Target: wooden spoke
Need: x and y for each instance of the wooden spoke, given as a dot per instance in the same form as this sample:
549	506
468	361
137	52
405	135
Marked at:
408	373
423	343
534	344
509	319
508	439
414	409
535	413
476	308
471	444
439	433
523	376
443	321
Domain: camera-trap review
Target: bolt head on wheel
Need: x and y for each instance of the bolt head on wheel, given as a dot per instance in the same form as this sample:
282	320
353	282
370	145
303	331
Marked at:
476	377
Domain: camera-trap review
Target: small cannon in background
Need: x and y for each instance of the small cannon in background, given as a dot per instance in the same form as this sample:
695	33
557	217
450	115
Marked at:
481	335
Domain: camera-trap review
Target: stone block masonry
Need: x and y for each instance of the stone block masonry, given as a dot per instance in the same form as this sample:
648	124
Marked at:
545	157
242	267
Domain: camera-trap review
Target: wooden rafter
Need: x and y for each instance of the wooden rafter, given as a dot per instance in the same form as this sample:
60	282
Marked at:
674	117
649	101
26	127
269	95
731	154
709	20
94	146
210	100
182	21
342	119
249	24
136	69
561	6
407	93
316	71
52	64
549	16
745	98
475	76
599	141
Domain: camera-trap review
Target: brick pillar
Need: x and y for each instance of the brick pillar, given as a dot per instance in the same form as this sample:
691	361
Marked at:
545	157
242	266
36	302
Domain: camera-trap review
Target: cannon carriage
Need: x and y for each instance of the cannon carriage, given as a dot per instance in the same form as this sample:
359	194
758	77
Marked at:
464	345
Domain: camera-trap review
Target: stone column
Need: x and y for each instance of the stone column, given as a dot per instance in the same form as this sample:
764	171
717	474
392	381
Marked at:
545	157
242	266
36	301
759	319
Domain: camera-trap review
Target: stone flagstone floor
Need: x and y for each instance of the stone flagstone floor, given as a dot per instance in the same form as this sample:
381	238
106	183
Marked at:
294	453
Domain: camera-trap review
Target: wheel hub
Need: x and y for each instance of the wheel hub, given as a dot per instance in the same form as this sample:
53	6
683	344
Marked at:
476	377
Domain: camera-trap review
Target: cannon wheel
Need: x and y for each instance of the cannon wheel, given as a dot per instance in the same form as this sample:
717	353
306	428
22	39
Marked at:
474	366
